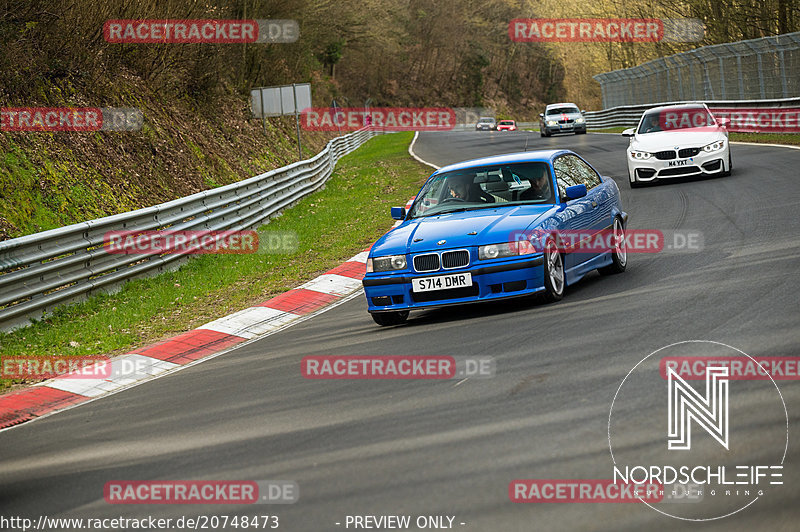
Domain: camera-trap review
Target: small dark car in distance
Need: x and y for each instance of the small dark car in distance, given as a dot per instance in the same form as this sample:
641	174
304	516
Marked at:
561	118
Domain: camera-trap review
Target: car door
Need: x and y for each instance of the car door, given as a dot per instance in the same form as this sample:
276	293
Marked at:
583	215
575	217
600	192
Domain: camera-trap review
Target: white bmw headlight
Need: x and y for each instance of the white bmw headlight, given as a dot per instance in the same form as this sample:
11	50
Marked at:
640	155
579	120
552	123
387	263
714	146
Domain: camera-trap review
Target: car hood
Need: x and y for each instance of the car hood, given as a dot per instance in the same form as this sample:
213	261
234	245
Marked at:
489	225
667	140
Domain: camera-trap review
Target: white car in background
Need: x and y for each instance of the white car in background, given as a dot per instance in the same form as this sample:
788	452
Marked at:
677	141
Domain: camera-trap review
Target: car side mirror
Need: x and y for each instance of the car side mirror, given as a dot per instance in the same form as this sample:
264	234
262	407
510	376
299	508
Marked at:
724	122
575	192
398	213
583	111
541	115
629	132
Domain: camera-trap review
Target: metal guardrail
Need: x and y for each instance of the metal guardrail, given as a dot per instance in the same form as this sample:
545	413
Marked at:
41	271
629	115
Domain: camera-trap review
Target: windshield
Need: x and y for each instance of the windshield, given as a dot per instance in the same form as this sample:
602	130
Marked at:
485	186
675	118
506	122
561	110
486	120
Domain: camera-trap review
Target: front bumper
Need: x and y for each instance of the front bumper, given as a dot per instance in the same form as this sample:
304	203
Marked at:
565	128
514	277
703	163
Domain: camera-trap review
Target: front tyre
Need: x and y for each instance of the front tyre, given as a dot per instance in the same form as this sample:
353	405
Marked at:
387	319
619	254
553	273
730	166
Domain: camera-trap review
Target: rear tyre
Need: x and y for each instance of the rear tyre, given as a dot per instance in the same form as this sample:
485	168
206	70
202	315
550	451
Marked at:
619	255
386	319
553	273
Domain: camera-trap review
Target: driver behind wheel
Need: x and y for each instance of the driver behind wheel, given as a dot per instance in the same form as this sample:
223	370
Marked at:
539	186
458	189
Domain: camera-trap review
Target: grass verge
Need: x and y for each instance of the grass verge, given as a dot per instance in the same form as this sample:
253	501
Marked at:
331	225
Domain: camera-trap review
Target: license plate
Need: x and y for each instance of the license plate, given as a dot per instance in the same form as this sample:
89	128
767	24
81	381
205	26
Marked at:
679	162
442	282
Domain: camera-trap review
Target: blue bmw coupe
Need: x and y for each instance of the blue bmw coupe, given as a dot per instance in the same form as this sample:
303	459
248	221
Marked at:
495	228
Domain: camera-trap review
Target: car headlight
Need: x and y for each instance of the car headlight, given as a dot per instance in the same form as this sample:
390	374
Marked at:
552	123
505	249
387	263
580	120
714	146
640	155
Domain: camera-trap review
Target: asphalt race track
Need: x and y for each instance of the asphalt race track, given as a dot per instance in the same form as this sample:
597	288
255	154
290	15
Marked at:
386	447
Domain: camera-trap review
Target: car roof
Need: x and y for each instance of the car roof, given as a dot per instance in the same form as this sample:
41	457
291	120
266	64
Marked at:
521	157
486	118
690	105
560	105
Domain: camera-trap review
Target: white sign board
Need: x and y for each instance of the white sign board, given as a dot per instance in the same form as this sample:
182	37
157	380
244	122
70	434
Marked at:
277	101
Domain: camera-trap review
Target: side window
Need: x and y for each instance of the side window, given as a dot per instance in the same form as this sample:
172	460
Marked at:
564	174
585	173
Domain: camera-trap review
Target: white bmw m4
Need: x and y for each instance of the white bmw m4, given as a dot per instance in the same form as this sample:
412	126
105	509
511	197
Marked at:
677	141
